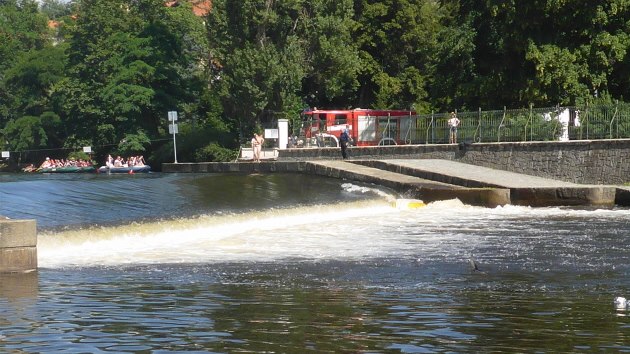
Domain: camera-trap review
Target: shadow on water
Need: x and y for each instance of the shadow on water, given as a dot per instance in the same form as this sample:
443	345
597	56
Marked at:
14	286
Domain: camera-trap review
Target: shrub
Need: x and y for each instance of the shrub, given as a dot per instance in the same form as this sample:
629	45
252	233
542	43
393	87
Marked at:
215	153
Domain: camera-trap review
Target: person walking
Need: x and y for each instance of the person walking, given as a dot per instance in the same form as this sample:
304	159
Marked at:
453	123
344	138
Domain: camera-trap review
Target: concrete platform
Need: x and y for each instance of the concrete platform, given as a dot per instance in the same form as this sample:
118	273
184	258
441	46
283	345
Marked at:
524	189
410	186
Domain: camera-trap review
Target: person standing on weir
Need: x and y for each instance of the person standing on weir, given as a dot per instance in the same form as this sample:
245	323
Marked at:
453	123
257	142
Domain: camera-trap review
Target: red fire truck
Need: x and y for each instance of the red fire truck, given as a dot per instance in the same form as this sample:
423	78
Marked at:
366	127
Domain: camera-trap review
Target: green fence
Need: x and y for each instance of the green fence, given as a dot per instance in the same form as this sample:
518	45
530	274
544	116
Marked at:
533	124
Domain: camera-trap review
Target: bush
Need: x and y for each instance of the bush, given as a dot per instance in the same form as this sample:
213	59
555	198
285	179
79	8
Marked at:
79	155
215	153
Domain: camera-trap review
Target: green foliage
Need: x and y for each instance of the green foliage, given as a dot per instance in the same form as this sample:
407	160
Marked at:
21	29
56	9
79	155
113	68
133	144
31	80
214	152
269	57
396	39
25	133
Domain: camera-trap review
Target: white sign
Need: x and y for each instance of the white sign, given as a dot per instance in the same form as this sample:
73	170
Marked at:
172	116
172	129
271	133
87	149
5	154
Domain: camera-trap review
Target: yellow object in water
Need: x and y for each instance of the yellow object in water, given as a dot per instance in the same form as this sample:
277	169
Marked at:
409	203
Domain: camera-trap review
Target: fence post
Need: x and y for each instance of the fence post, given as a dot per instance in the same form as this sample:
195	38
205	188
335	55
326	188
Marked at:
587	120
617	120
501	125
432	128
613	119
531	122
478	138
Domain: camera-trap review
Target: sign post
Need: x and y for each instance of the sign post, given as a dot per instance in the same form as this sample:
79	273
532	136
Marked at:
172	128
88	150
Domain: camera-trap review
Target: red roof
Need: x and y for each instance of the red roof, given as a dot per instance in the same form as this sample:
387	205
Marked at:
200	7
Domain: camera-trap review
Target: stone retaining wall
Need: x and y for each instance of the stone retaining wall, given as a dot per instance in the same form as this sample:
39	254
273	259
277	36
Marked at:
583	161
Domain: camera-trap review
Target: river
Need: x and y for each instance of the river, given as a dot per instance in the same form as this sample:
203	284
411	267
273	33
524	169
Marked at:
297	263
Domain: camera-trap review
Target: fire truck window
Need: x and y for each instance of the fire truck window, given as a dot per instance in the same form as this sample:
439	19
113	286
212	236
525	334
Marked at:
322	122
340	119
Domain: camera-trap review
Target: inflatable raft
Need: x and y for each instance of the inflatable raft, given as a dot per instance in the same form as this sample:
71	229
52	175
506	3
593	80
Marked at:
67	169
129	170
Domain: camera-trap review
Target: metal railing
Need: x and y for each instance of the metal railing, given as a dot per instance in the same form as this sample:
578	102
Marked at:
588	122
529	124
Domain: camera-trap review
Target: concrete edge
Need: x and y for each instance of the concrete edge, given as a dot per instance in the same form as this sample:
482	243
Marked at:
565	196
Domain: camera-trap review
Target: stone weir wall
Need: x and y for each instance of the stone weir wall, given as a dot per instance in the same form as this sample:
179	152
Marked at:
580	161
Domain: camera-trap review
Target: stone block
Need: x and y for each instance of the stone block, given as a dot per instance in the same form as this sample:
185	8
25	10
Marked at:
18	259
18	233
18	245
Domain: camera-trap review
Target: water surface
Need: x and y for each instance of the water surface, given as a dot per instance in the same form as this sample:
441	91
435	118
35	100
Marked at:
295	263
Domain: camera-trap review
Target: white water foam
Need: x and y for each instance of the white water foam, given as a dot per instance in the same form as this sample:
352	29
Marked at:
353	188
261	236
347	231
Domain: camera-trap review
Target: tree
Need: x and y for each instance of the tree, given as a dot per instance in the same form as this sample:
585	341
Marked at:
131	62
31	81
271	57
540	51
56	9
396	39
22	28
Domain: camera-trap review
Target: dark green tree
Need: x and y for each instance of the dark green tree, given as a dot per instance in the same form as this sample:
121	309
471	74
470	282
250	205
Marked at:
397	40
131	63
273	57
22	28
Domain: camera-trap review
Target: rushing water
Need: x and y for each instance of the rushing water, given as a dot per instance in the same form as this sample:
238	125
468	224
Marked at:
295	263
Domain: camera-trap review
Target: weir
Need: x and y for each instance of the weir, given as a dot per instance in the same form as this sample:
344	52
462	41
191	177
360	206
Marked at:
549	173
435	179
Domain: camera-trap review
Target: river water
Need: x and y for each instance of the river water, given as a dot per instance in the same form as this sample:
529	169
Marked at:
295	263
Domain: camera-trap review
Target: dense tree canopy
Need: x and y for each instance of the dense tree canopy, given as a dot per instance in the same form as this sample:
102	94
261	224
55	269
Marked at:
105	73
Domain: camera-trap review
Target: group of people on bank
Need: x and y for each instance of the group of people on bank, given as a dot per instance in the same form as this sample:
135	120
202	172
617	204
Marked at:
121	162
